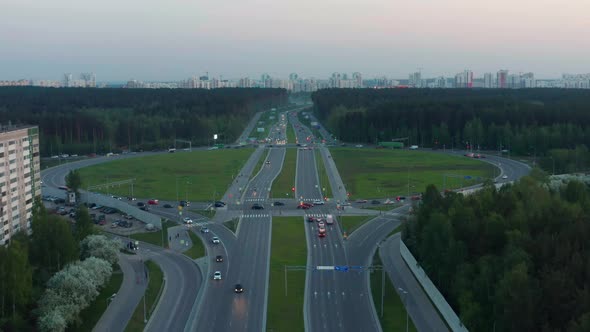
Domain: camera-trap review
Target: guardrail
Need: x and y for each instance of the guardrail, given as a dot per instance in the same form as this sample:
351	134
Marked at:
443	307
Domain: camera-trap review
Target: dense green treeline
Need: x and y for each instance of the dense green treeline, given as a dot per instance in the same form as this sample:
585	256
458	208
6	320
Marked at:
514	259
102	120
525	121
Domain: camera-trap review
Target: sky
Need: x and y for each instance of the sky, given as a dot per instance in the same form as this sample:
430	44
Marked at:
159	40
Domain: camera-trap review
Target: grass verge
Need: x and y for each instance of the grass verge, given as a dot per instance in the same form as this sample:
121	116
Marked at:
197	250
196	174
155	237
90	316
291	138
322	174
350	223
394	312
206	213
281	186
377	173
232	225
288	247
152	293
259	163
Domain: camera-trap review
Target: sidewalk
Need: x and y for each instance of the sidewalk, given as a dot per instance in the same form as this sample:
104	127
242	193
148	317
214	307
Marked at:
178	238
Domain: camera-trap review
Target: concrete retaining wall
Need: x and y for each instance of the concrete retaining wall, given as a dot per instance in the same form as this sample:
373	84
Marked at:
122	206
436	297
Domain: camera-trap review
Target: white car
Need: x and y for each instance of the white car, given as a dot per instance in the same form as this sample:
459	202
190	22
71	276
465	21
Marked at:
215	240
321	224
318	202
505	177
217	275
187	220
204	229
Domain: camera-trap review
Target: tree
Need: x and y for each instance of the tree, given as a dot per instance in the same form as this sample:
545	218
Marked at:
101	247
84	226
74	181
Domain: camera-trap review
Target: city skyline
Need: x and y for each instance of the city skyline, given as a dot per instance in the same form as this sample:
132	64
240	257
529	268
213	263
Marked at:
153	42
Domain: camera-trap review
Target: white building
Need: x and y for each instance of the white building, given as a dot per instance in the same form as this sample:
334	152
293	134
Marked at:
20	178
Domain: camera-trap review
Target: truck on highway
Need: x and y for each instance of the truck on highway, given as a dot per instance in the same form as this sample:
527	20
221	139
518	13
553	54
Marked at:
414	147
330	219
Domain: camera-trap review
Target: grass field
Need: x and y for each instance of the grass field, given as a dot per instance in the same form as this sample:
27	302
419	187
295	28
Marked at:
152	293
323	175
377	173
155	237
90	316
290	134
394	312
232	225
198	248
288	247
259	163
350	223
281	186
196	175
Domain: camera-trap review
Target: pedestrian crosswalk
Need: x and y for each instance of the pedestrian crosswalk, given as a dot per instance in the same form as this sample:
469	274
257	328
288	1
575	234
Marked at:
254	199
316	215
255	215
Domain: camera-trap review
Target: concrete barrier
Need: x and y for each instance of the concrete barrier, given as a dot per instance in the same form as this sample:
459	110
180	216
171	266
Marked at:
435	296
146	217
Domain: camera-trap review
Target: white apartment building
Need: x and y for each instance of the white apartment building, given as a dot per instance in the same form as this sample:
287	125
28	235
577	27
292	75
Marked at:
20	178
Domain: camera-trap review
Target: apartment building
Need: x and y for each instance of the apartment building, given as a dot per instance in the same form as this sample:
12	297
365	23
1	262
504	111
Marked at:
20	178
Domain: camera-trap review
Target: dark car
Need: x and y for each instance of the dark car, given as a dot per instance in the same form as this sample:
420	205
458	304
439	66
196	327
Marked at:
257	207
375	202
144	207
238	288
168	206
219	258
218	204
140	204
131	245
277	203
184	203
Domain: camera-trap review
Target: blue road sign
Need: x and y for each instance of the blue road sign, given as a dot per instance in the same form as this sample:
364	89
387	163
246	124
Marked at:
341	268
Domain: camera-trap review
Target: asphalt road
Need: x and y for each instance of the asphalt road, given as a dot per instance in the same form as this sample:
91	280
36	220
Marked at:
246	263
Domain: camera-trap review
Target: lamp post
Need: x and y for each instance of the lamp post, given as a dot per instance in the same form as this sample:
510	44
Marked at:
406	305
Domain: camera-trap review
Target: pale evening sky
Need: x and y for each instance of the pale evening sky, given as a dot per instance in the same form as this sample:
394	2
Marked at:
176	39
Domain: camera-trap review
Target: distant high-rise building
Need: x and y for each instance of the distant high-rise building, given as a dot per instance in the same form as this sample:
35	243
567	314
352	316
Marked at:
20	178
358	79
464	79
502	79
88	79
488	80
68	80
527	81
415	79
293	77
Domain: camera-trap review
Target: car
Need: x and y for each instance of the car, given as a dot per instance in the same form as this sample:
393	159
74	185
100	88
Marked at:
375	202
184	203
129	198
257	207
219	258
361	201
114	224
218	205
131	245
204	229
217	275
140	204
400	198
128	216
321	224
416	197
320	234
318	202
505	177
311	219
303	207
187	220
358	146
168	206
215	240
153	201
238	288
144	208
278	203
268	161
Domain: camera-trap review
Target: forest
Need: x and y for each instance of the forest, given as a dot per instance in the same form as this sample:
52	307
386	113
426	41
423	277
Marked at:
83	120
513	259
553	124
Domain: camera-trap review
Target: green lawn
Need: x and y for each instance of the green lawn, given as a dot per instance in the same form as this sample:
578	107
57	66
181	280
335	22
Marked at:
322	174
155	237
198	249
206	213
232	225
350	223
377	173
281	186
259	163
394	312
288	247
90	316
156	282
291	138
196	175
